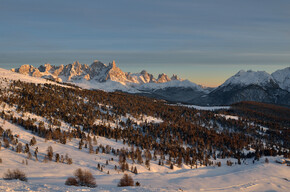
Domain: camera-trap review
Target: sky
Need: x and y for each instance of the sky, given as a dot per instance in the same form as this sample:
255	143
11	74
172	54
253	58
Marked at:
203	41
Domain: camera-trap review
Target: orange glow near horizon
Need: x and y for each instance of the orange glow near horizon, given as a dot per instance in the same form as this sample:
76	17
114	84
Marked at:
211	82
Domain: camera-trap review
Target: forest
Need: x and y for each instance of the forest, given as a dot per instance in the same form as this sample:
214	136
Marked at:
185	135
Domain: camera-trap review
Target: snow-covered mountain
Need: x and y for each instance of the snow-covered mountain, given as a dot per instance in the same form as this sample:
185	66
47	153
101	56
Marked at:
251	86
245	78
110	76
282	77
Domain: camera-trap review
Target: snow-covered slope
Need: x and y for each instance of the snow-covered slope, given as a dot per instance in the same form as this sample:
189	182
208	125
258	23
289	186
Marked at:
50	176
172	83
9	75
282	77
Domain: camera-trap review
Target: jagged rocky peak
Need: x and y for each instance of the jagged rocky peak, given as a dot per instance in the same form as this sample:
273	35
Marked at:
143	72
45	68
113	64
97	71
116	74
74	70
58	70
36	73
163	78
76	63
147	77
26	69
78	67
174	77
97	65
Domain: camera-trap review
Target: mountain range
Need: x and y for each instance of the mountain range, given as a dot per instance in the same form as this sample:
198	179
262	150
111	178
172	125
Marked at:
243	86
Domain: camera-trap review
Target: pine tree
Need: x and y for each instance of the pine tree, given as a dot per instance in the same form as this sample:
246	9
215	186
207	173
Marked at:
135	170
50	153
32	141
35	153
26	149
95	140
57	157
19	148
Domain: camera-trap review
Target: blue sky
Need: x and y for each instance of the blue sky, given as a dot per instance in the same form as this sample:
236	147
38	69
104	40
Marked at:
203	41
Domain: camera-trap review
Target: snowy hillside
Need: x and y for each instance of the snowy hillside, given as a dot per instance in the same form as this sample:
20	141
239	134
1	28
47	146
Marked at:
51	176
